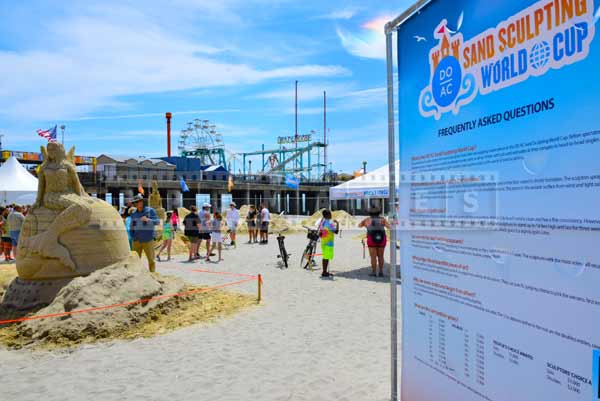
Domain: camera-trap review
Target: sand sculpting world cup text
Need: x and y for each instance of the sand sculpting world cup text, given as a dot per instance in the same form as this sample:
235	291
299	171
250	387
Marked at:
68	233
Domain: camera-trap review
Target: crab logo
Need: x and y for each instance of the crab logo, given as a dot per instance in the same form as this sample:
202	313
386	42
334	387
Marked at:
450	87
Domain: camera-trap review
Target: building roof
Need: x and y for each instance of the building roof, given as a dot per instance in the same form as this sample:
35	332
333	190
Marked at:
214	168
104	159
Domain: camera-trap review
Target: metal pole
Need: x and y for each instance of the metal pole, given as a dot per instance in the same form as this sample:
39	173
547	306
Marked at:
296	159
325	130
62	129
393	231
168	117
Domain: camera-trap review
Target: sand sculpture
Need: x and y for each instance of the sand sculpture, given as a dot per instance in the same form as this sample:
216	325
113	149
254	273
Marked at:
155	201
66	234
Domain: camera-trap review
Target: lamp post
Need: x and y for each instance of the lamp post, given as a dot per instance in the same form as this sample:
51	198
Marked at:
364	167
62	129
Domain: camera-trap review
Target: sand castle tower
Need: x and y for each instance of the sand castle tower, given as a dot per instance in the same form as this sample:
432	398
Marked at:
155	201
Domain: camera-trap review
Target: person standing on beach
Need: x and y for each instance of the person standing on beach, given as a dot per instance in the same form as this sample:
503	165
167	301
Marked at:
216	236
327	229
15	222
191	227
6	242
233	218
205	229
265	217
174	219
376	239
143	221
167	236
251	221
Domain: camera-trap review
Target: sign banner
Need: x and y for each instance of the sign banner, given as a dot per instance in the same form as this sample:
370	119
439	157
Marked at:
293	139
226	200
291	181
499	144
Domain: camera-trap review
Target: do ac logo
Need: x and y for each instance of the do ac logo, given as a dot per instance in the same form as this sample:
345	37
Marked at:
446	81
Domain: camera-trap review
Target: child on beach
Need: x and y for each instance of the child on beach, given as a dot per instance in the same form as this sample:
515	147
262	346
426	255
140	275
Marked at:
327	229
215	235
168	234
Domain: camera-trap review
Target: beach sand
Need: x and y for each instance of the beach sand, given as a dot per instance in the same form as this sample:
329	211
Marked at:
311	339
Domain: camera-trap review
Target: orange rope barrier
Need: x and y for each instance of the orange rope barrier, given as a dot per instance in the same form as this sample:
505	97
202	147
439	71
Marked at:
137	301
223	273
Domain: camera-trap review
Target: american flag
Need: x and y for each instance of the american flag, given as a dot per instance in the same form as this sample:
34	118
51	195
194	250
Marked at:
49	134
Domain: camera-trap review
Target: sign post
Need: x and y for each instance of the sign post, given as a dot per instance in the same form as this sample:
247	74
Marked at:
394	230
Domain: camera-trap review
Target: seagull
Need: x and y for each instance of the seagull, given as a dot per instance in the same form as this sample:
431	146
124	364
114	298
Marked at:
420	38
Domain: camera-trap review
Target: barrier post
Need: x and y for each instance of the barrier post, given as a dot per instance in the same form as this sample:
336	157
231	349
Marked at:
259	288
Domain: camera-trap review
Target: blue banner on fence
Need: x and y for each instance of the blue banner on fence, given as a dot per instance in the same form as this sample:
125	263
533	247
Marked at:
291	181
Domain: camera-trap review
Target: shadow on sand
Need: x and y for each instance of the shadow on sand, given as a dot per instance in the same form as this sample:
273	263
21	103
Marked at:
363	274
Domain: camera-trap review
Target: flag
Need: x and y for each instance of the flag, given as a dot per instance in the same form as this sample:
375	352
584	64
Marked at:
291	181
184	187
48	134
230	183
140	187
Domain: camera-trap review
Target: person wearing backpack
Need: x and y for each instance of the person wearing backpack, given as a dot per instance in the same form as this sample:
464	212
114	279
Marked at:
376	239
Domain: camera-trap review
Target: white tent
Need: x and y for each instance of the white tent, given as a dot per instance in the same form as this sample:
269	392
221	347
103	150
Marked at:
369	186
17	185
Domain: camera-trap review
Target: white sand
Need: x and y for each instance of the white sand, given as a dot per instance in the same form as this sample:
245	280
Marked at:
311	339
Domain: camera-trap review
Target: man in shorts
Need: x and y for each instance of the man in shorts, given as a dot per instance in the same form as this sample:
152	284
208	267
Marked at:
265	217
143	223
15	222
233	218
205	228
191	227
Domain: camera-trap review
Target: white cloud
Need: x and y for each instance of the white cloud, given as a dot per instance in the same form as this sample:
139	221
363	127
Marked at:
341	14
368	44
100	58
146	115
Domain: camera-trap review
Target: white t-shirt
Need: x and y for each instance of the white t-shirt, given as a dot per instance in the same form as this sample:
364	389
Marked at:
265	214
233	216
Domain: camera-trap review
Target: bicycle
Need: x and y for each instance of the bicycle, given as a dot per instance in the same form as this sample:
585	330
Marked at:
283	254
308	256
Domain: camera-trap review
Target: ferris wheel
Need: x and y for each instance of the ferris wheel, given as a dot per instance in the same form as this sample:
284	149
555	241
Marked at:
201	140
199	135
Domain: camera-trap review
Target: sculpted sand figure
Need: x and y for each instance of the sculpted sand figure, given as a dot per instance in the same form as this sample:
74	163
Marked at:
59	190
68	233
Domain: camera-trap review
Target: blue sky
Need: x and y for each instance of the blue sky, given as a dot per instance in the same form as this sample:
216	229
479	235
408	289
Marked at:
109	70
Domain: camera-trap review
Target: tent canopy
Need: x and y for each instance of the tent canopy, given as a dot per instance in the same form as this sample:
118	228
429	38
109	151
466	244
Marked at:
369	186
17	185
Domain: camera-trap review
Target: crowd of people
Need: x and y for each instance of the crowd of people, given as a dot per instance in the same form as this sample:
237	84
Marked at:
203	226
199	227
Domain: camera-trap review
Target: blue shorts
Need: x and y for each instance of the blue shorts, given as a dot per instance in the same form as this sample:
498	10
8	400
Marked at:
14	236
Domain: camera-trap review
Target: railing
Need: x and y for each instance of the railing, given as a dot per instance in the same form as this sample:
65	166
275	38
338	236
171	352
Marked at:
98	178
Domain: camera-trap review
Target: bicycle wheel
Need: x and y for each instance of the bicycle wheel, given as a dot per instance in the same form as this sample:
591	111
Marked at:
307	256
